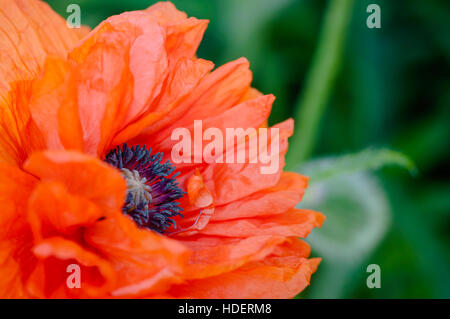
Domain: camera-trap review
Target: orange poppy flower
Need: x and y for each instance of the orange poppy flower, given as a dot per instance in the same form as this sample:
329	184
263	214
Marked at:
78	186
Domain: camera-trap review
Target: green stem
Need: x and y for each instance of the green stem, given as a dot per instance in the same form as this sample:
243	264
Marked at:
319	81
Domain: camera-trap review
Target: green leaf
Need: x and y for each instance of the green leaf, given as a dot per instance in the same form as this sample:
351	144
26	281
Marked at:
365	160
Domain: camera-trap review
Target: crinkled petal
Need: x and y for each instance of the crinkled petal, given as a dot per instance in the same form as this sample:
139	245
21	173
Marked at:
30	31
179	83
215	93
16	259
83	175
122	65
213	255
145	261
11	272
275	200
296	222
250	115
283	274
183	34
50	278
233	181
52	210
51	94
15	188
19	133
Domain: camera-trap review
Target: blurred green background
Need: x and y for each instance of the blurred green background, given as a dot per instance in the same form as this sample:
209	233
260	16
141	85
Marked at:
368	88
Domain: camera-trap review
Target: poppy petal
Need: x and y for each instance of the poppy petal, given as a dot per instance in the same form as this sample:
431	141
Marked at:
52	210
96	274
19	134
16	258
179	83
281	275
15	187
230	182
122	66
215	93
183	34
49	92
145	261
212	255
248	114
83	175
296	222
275	200
11	285
30	31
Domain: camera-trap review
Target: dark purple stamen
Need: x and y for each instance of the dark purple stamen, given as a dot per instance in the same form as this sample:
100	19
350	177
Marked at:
152	192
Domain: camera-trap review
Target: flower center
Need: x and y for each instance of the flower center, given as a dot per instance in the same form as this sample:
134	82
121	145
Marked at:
152	188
